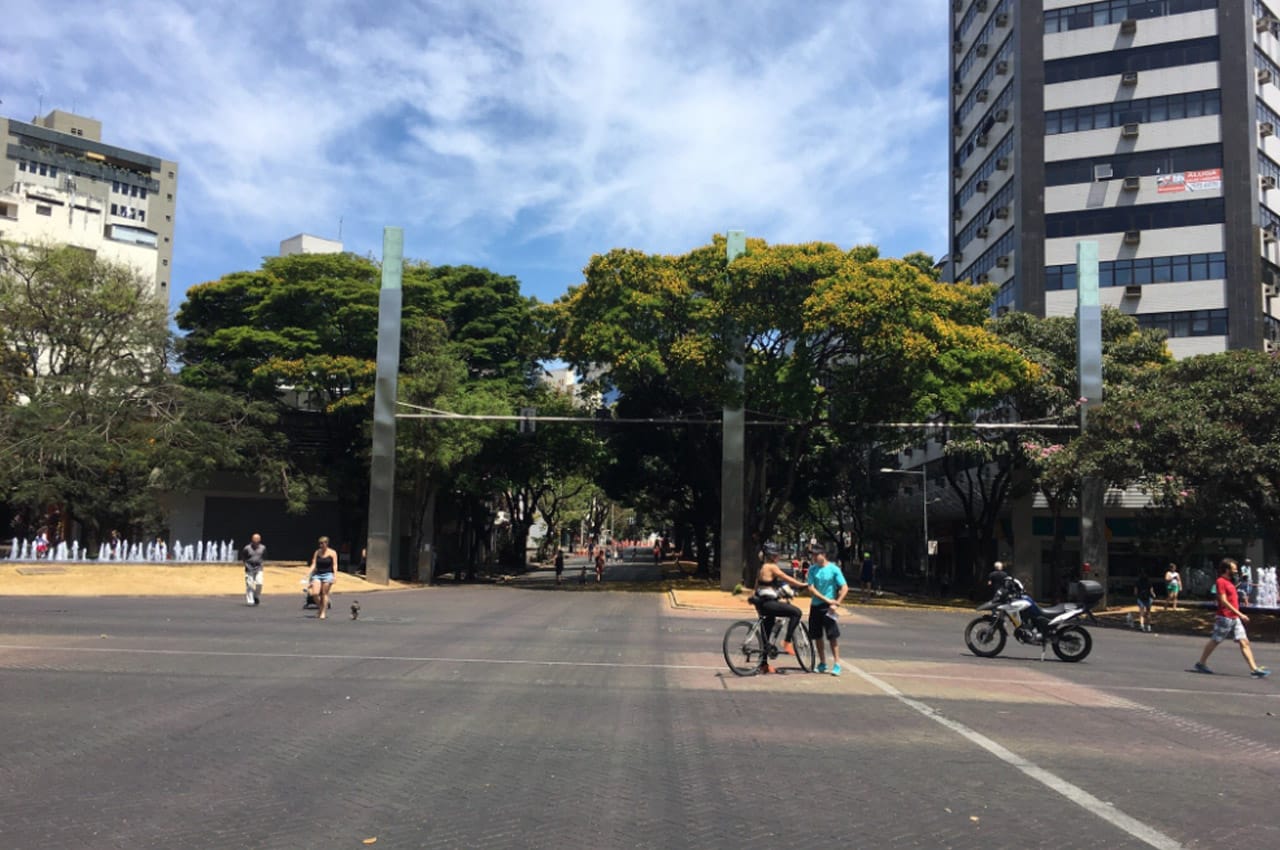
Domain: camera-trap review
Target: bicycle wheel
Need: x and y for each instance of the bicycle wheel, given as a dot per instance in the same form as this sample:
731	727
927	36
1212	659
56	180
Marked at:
744	648
805	652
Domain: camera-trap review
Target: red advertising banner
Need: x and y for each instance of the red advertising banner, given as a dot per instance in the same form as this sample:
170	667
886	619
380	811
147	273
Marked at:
1205	180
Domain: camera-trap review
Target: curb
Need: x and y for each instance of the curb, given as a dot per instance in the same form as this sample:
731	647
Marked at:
684	606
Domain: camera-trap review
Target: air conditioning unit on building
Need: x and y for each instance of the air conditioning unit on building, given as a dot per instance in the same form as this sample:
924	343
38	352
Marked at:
1132	237
1002	19
1268	346
981	141
1002	115
983	232
1271	290
1002	212
982	186
957	171
1133	291
1269	233
957	88
1268	182
980	5
982	95
1266	128
1129	78
984	278
958	214
1264	76
1132	184
958	129
1128	26
1103	171
1129	131
1002	164
1266	23
957	5
1002	261
1002	67
982	49
957	46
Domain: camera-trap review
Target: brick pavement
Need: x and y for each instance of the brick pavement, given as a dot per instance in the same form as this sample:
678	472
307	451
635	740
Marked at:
466	717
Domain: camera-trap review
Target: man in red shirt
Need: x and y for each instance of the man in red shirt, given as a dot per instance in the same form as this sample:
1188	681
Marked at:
1230	622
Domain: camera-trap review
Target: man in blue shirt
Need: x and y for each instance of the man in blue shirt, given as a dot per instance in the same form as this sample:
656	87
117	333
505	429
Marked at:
828	588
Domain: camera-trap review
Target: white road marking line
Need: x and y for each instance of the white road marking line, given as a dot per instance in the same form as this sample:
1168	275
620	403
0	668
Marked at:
413	659
1072	792
1040	683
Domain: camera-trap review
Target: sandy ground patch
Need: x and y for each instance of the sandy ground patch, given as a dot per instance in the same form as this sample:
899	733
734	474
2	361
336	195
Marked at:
162	580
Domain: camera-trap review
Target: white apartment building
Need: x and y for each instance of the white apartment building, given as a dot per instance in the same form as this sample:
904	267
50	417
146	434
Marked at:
305	243
1148	126
60	184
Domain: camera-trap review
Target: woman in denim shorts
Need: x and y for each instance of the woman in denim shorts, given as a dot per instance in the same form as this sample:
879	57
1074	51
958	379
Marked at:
324	563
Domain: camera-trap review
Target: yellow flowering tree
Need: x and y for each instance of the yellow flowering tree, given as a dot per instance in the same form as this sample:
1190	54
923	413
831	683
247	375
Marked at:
831	335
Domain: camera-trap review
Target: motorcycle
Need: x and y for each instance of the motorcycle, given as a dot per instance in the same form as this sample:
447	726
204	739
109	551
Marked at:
1053	626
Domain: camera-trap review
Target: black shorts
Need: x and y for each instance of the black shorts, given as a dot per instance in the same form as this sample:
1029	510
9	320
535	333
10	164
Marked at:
820	624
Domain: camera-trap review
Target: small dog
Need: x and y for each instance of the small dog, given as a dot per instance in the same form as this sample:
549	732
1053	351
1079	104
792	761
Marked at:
355	610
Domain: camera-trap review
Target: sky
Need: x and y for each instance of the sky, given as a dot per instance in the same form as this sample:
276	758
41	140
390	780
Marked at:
520	135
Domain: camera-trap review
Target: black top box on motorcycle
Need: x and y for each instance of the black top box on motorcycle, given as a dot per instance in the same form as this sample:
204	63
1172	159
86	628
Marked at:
1086	593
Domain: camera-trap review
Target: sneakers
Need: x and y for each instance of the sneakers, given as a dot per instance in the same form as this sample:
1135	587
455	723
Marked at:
1260	673
1202	668
787	648
768	668
835	671
821	668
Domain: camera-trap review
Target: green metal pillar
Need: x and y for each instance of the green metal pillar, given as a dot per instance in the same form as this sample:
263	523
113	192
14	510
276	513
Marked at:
733	450
1093	526
381	546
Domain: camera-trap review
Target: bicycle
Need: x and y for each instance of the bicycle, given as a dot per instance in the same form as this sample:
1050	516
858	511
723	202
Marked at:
747	649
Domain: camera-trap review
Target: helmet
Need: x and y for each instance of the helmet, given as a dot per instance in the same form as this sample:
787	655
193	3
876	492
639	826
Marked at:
770	550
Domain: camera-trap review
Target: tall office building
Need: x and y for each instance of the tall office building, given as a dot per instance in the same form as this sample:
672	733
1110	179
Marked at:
1148	126
60	184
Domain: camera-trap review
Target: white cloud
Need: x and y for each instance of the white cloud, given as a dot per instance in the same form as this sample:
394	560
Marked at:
486	127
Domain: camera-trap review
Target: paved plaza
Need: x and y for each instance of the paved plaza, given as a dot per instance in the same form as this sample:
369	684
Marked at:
499	717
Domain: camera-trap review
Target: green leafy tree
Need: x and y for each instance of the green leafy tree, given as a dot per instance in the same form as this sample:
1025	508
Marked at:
824	328
1201	436
97	428
987	468
301	334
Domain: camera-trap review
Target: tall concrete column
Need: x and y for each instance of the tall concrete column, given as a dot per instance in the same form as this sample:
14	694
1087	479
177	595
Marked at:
733	450
1093	524
382	472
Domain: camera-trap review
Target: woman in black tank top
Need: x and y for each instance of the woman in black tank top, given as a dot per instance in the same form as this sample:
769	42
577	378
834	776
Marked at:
323	567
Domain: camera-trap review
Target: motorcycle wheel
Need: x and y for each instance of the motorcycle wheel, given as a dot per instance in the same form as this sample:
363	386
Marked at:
985	637
1072	644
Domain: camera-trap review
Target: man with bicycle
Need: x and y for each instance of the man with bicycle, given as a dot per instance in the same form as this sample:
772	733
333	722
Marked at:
828	587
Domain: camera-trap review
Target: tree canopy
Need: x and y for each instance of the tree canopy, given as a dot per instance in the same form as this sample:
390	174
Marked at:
1201	436
96	429
829	334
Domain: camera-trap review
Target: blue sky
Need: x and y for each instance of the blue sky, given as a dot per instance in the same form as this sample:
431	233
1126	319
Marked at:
521	135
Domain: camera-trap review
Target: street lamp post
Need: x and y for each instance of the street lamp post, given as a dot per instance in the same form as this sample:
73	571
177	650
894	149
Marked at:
924	510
